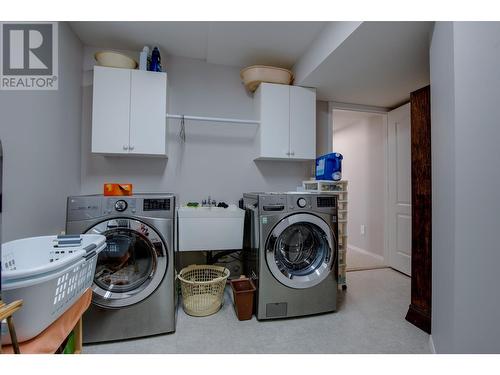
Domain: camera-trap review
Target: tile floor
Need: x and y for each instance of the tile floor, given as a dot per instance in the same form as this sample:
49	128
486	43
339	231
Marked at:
358	260
370	319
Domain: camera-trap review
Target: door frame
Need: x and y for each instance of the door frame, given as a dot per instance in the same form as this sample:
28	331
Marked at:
420	309
385	115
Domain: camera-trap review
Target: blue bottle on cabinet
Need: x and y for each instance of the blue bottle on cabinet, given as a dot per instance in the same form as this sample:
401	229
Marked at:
155	65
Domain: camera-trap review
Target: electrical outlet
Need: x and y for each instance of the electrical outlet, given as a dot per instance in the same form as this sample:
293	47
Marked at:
363	229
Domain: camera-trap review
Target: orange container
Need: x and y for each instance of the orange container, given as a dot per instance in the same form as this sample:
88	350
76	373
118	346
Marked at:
117	189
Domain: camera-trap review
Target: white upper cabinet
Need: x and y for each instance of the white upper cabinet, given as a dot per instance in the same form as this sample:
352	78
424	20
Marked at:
110	110
129	109
287	122
148	131
302	123
273	101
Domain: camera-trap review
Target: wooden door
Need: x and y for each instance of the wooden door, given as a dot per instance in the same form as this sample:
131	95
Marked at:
419	312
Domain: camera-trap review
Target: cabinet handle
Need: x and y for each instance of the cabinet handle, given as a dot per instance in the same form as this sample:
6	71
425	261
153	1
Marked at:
288	154
125	147
131	147
292	153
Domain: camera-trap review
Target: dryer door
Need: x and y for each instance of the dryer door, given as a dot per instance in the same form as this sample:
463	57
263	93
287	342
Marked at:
300	251
132	266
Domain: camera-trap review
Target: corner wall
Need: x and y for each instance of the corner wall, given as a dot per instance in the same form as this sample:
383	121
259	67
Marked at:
362	143
443	185
40	133
465	91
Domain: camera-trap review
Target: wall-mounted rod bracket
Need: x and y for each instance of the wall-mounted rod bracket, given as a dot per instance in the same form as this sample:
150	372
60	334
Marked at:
213	119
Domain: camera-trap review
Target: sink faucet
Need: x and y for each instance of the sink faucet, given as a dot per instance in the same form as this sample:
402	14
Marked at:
209	202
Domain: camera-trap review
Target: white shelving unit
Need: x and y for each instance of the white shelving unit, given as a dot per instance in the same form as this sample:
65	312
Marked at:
339	188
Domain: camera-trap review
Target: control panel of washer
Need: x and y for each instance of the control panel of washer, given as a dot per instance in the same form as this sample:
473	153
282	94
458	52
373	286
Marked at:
120	205
156	204
301	202
327	201
298	202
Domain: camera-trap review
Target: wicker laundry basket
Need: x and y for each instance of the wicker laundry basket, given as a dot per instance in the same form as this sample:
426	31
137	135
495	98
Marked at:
202	288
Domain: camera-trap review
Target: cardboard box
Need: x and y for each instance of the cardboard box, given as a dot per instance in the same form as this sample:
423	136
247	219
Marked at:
117	189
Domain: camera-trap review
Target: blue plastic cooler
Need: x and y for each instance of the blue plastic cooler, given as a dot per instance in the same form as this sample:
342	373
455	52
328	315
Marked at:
329	167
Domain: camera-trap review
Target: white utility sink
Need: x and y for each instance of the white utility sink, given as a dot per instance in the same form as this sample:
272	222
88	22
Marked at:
210	228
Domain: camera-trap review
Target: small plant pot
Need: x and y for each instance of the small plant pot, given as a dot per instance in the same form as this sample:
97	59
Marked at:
243	291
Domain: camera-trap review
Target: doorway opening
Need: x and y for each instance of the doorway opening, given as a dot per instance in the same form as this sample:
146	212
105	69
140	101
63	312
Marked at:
377	165
360	137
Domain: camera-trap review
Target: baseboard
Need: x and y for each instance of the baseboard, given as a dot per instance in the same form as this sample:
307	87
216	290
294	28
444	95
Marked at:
419	318
366	252
431	345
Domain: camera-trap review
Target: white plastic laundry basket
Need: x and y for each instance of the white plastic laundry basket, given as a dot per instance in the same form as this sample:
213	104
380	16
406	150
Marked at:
48	279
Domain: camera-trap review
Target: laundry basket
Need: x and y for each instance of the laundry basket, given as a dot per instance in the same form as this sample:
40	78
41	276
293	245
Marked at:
202	288
48	279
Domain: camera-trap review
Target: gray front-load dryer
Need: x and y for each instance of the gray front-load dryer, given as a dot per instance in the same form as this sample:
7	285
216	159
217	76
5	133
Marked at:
290	250
133	289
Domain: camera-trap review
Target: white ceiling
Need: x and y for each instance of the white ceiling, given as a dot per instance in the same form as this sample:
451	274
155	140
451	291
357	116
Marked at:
379	64
227	43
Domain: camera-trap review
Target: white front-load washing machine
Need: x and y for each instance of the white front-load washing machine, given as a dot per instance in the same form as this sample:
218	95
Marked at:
133	288
290	251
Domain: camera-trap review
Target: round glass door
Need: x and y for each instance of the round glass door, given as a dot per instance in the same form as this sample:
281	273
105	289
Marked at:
300	251
132	265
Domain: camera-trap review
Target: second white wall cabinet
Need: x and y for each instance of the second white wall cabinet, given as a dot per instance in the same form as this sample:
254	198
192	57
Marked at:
129	109
287	116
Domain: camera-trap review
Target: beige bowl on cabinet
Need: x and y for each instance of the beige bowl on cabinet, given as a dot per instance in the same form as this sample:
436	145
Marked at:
114	59
253	75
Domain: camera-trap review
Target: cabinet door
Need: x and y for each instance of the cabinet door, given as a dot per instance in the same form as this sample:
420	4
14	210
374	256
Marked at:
302	123
110	110
148	112
275	121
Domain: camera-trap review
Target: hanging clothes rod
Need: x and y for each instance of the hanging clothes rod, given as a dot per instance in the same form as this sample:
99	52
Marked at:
214	119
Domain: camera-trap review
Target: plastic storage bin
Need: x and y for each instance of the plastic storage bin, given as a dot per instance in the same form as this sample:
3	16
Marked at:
48	279
243	291
329	167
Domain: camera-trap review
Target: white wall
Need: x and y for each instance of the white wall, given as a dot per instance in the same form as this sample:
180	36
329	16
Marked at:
465	118
324	130
217	159
361	141
443	185
40	133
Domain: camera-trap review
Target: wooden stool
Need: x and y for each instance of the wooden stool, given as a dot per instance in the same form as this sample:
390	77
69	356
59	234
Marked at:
6	312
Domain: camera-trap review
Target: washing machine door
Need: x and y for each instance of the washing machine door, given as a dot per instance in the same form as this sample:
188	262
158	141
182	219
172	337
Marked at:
132	266
300	251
